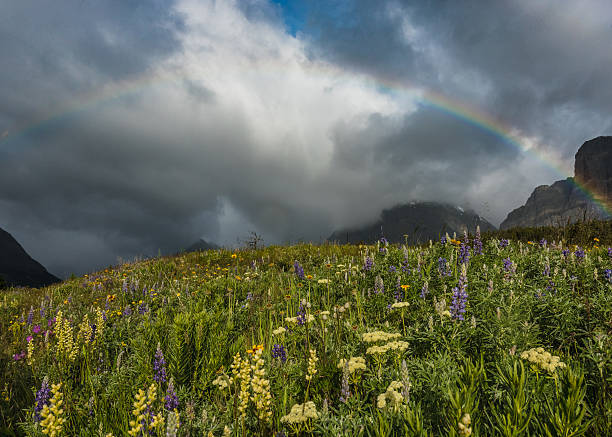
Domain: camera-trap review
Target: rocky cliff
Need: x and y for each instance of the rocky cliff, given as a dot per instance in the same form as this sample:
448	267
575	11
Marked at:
18	268
567	200
417	222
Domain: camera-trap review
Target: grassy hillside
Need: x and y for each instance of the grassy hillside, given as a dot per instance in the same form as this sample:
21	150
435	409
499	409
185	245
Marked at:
329	340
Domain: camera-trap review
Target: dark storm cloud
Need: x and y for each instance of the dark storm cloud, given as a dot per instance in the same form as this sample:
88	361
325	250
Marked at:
530	64
229	124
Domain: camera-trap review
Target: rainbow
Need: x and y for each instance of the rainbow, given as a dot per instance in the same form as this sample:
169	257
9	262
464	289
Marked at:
454	108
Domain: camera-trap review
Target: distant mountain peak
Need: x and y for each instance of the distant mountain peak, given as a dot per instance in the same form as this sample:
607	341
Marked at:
201	245
415	222
567	200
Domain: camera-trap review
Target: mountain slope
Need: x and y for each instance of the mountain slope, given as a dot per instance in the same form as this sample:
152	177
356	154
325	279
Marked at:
567	200
416	222
18	268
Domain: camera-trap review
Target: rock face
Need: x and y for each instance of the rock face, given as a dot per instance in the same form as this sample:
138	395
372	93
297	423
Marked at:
593	167
415	223
17	268
567	200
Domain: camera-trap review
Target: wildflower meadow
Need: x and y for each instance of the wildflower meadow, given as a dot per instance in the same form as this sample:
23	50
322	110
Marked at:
460	337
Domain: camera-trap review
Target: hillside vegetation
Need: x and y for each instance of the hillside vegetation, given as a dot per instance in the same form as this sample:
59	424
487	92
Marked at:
457	338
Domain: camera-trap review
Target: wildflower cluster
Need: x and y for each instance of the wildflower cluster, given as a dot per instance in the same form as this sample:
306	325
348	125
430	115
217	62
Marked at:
457	308
144	420
278	351
42	398
66	349
354	364
299	270
241	372
312	365
392	397
222	381
301	413
543	359
159	366
373	337
261	388
393	346
464	425
53	415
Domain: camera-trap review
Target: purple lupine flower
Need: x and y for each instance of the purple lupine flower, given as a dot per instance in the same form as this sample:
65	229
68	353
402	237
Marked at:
398	290
278	351
464	253
299	270
301	315
379	285
384	243
507	265
424	290
610	252
345	391
460	296
551	287
546	271
368	264
42	309
442	268
30	316
42	398
477	242
565	253
466	240
143	308
127	311
503	243
579	253
443	240
543	242
608	275
124	287
392	269
159	366
405	266
171	403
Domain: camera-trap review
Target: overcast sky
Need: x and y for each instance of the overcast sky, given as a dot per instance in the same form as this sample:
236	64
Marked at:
134	128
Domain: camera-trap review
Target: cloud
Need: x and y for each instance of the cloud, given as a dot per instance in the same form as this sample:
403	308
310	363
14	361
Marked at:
127	138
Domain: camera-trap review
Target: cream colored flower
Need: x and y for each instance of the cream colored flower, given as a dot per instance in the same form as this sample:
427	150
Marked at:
373	337
300	413
354	364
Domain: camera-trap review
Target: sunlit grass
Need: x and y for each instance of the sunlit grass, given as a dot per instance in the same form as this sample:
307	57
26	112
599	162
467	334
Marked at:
323	340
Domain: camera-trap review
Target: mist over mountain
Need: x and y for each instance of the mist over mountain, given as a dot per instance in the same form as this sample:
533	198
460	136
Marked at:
201	245
415	222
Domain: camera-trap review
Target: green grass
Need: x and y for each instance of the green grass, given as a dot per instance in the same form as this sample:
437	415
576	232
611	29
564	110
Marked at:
453	376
